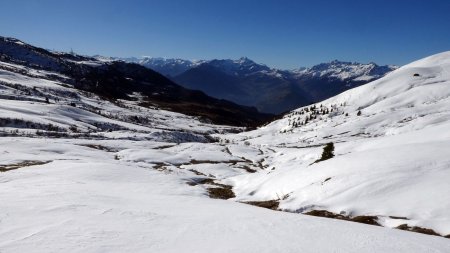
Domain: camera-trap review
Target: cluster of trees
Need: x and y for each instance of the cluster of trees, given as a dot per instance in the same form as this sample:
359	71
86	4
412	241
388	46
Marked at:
308	114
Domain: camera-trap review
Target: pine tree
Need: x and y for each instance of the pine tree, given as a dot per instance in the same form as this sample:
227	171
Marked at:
327	153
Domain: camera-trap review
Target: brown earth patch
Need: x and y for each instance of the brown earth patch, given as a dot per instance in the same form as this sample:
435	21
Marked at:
269	204
418	230
99	147
4	168
371	220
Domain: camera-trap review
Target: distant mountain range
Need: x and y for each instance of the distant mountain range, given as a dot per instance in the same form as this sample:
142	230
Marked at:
271	90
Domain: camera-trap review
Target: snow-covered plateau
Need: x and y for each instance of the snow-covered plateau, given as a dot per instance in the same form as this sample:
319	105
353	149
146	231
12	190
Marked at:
82	174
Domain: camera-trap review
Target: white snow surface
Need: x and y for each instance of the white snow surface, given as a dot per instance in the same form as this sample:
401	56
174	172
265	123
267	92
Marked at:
393	160
86	201
134	187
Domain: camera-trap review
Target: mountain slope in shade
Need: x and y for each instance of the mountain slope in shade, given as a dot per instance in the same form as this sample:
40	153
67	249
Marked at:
265	91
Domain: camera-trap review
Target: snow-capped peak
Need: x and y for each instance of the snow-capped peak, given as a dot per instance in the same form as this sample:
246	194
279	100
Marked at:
346	71
340	70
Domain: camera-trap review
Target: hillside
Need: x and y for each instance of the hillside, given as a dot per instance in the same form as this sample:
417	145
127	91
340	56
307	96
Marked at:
96	168
391	159
112	80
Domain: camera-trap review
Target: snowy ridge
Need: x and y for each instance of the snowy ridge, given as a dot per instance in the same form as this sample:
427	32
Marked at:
166	66
243	66
240	67
346	71
169	67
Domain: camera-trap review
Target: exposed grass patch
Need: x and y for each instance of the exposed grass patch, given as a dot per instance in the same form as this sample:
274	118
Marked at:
326	214
162	167
248	169
197	181
398	217
99	147
371	220
193	161
221	192
198	173
269	204
4	168
418	230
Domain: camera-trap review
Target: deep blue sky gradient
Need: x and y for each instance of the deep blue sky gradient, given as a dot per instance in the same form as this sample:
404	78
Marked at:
283	33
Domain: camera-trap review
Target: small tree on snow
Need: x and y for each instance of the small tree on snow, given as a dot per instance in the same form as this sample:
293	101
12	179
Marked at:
327	153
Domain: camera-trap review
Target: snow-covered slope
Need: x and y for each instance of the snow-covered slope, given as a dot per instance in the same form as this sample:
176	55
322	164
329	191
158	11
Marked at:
391	161
33	102
85	200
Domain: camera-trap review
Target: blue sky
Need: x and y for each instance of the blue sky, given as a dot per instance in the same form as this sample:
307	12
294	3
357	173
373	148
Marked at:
283	33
